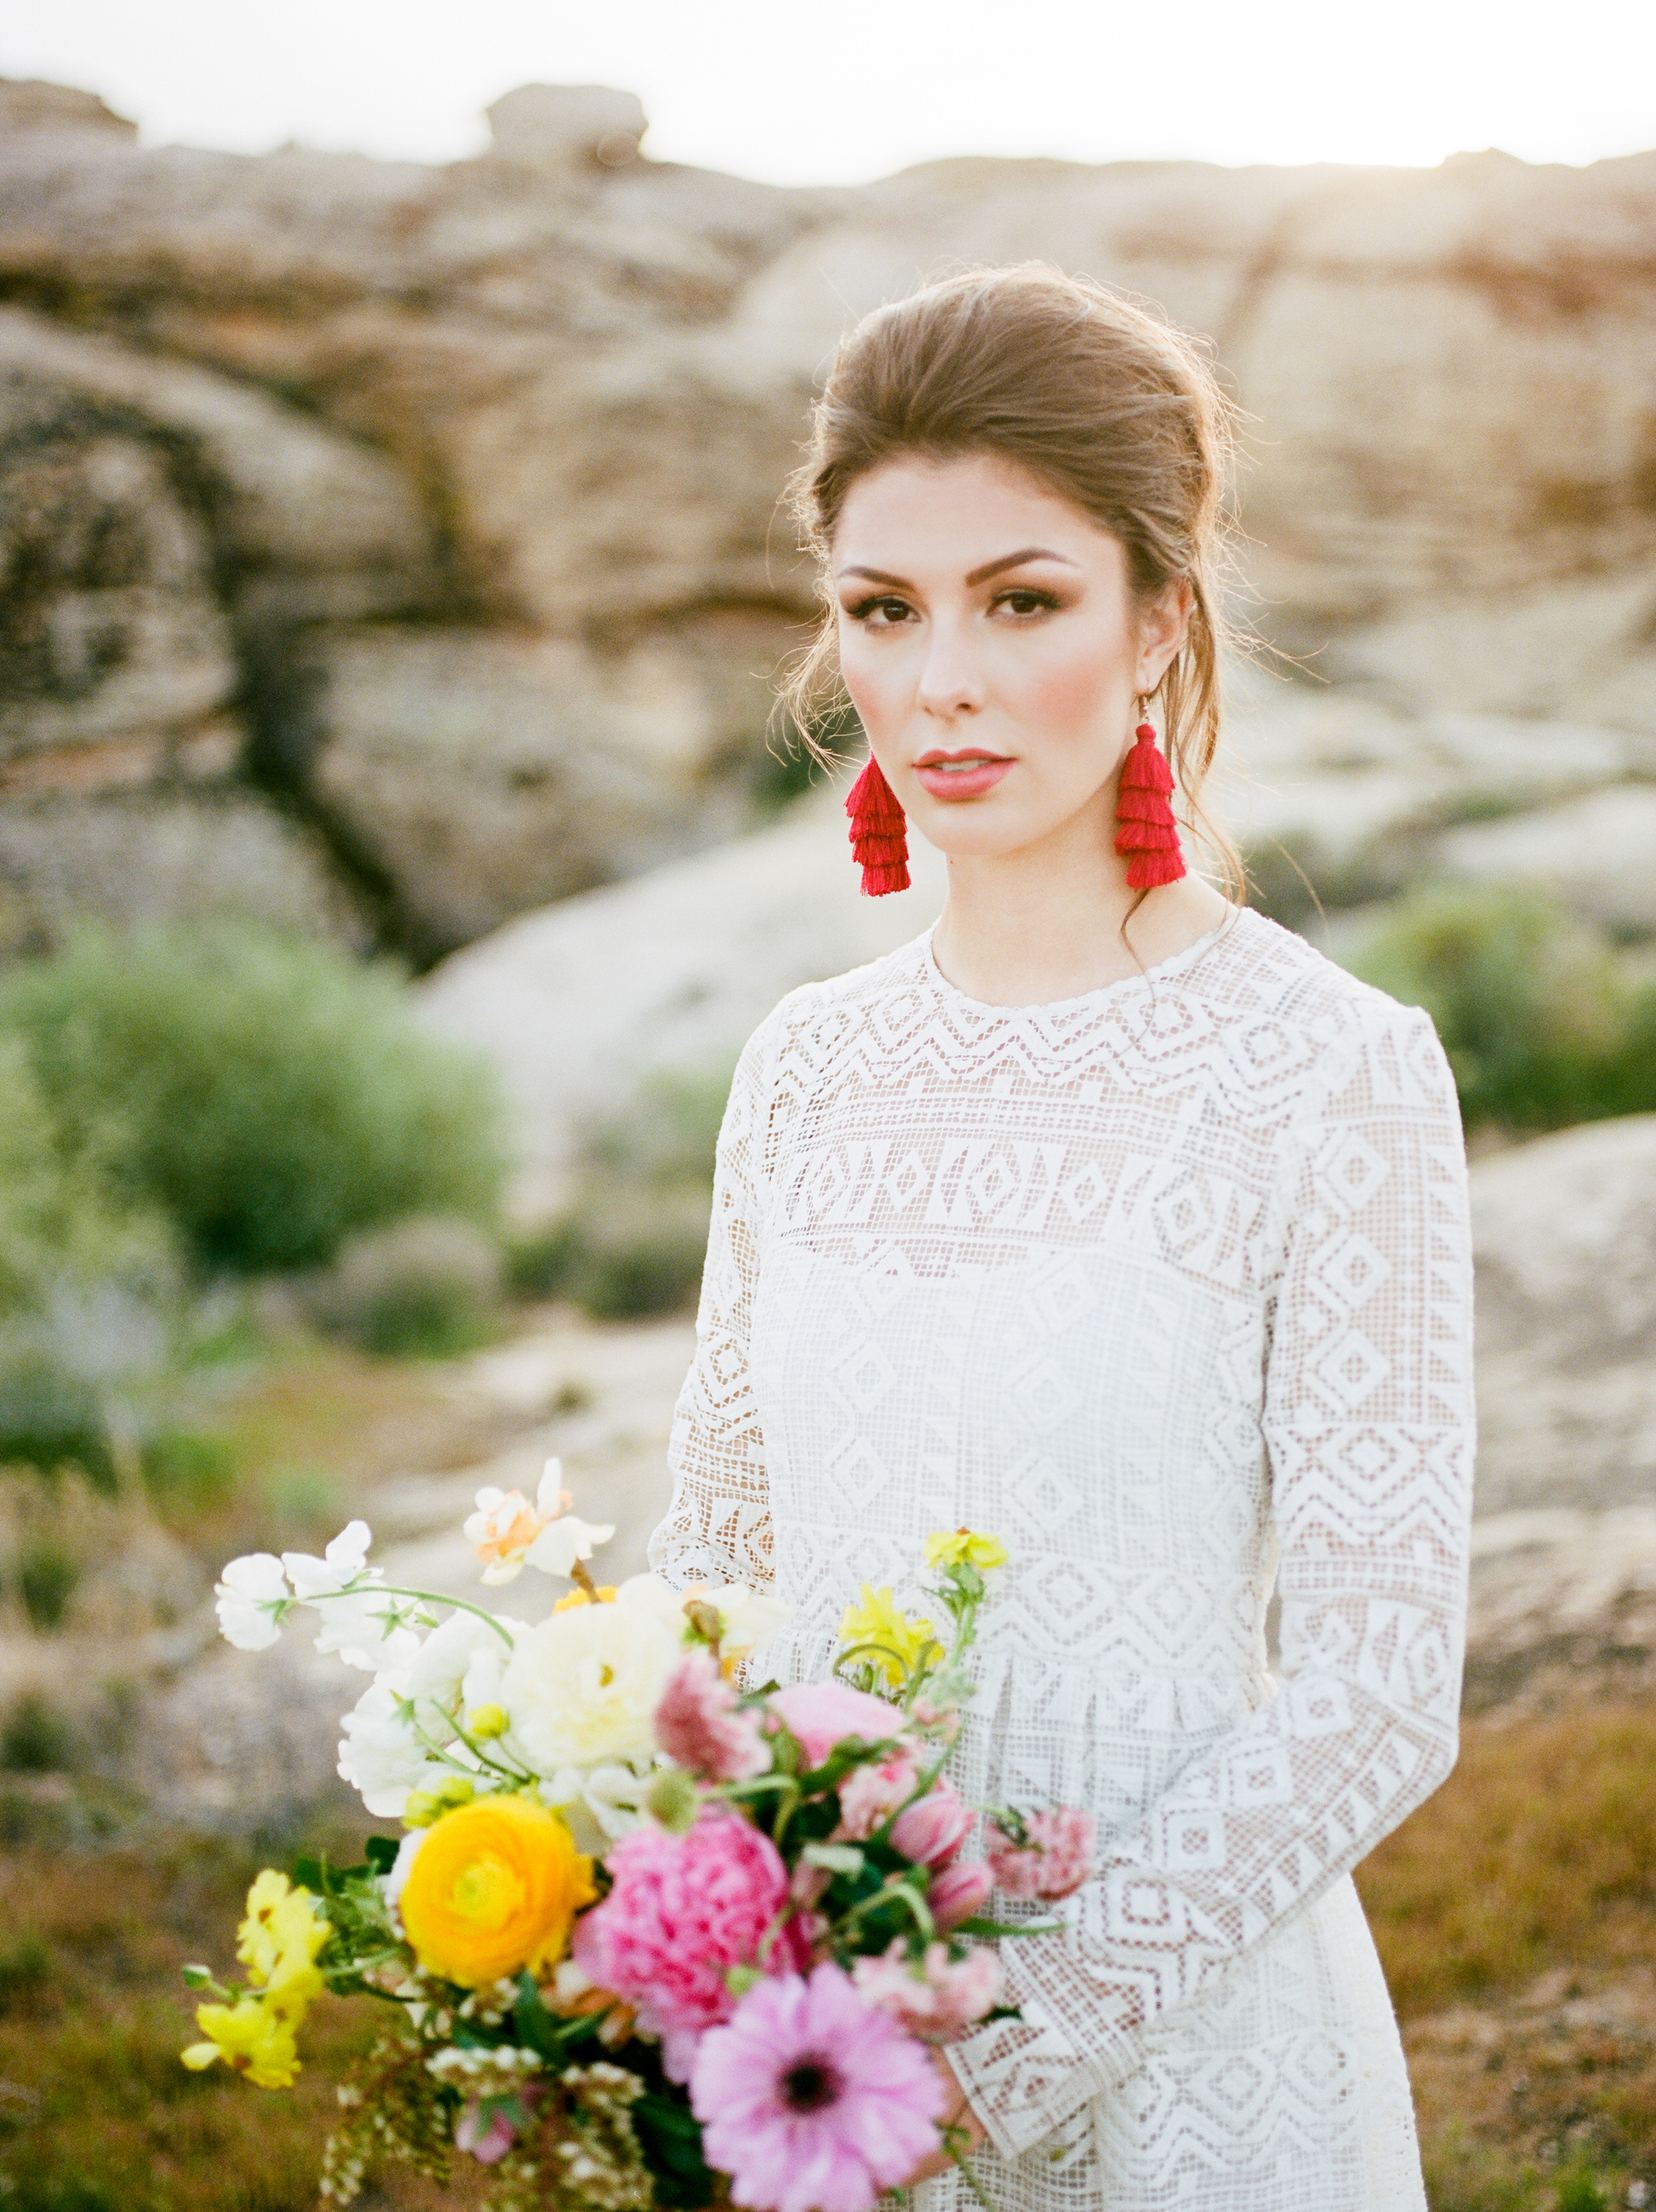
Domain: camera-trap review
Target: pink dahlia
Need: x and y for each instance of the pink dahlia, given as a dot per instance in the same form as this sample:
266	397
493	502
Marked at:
682	1910
937	1997
821	1714
812	2100
957	1892
1053	1861
700	1722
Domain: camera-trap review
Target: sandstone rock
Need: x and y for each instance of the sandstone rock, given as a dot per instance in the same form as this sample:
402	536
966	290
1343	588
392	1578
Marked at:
1565	1233
160	855
675	969
28	105
1595	851
484	773
557	125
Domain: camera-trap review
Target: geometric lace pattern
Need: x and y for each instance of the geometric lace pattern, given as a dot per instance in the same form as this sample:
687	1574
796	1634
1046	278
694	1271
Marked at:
1168	1285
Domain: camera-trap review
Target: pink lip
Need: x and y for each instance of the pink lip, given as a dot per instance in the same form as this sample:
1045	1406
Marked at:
982	774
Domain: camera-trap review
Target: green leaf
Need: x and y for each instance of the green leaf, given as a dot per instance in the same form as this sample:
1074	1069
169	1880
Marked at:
976	1926
837	1858
380	1852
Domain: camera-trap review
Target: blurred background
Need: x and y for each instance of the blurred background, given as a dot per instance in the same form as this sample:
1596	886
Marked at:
398	840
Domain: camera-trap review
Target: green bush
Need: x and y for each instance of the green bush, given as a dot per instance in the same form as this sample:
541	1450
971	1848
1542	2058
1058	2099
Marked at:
194	1467
35	1738
47	1579
52	1418
422	1288
1543	1024
635	1238
269	1096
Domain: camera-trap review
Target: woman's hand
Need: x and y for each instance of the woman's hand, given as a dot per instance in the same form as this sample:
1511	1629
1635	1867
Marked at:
957	2114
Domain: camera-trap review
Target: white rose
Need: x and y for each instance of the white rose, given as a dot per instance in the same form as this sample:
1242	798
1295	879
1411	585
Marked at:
251	1600
581	1688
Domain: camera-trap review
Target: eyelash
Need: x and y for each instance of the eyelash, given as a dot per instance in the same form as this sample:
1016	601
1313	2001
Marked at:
1048	601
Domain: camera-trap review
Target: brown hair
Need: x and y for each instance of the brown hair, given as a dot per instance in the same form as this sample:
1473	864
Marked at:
1114	408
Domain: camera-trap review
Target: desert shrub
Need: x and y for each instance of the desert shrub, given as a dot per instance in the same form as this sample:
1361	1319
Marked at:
1543	1024
428	1287
193	1468
46	1577
35	1738
269	1096
635	1238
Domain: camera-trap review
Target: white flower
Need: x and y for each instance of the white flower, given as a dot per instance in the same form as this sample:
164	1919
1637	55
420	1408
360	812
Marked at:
581	1689
378	1754
368	1629
339	1567
749	1619
252	1599
602	1804
445	1660
509	1534
392	1881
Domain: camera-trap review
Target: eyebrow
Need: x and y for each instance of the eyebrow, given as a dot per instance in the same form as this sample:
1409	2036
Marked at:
978	575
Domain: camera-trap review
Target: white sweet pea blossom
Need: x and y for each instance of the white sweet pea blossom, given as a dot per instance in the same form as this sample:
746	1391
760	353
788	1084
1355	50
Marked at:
442	1670
510	1533
749	1619
251	1598
392	1882
340	1565
378	1754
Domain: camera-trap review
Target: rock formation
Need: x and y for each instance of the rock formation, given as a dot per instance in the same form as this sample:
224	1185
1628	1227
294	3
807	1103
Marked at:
412	532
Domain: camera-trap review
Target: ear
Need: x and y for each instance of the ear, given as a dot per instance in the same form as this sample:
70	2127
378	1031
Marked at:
1164	624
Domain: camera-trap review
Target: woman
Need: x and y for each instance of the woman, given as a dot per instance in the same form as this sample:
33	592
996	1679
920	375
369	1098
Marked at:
1123	1224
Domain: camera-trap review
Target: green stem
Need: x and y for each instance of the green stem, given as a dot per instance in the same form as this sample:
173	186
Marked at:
426	1597
952	2144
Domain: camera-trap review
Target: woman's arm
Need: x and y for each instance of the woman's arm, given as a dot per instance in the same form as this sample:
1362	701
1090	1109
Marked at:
718	1527
1369	1429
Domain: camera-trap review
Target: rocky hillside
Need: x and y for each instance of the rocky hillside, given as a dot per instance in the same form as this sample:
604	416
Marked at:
391	549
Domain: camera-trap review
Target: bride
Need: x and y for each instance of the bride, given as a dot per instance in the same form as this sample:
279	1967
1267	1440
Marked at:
1109	1217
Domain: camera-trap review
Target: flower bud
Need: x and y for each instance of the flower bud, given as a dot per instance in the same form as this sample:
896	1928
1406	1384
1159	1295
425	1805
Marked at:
455	1789
958	1893
932	1829
672	1801
487	1722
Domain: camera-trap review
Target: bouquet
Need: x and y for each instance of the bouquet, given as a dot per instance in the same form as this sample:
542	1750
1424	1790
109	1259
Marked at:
654	1935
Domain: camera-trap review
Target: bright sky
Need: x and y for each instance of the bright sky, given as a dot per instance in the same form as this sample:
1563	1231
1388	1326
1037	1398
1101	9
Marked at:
855	89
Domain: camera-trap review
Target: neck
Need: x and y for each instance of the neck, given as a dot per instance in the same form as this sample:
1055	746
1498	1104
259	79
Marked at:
1059	918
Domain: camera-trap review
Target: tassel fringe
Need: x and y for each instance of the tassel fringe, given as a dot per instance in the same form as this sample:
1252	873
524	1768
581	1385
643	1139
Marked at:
880	833
1147	835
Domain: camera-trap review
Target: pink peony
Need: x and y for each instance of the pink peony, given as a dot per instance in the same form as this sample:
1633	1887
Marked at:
870	1795
1053	1863
932	1829
937	1997
821	1713
682	1910
700	1722
812	2100
958	1891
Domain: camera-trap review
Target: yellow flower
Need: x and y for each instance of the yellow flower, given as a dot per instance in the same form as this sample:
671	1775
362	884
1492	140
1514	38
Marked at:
282	1930
959	1547
877	1620
493	1888
255	2036
575	1597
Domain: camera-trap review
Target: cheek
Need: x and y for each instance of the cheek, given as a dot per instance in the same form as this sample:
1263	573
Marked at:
879	684
1071	692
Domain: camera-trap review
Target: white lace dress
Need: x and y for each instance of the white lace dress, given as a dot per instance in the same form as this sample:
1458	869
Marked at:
1168	1285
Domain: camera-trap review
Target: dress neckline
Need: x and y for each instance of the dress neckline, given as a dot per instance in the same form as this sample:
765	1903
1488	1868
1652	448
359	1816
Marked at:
1174	964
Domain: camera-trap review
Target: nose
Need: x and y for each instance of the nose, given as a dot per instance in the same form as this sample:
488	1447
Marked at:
951	682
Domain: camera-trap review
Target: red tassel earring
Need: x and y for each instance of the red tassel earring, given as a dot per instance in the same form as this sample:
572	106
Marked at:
1146	834
879	836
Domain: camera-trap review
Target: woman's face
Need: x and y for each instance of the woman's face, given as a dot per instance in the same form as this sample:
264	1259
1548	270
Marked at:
991	645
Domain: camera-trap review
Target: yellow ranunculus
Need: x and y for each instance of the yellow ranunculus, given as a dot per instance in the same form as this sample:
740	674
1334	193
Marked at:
255	2036
493	1888
879	1621
282	1930
959	1547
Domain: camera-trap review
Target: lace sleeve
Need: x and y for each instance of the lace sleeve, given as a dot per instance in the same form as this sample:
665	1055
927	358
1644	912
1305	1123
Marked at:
1369	1431
717	1529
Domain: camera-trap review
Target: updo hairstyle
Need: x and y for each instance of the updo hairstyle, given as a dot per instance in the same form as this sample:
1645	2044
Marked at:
1109	406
